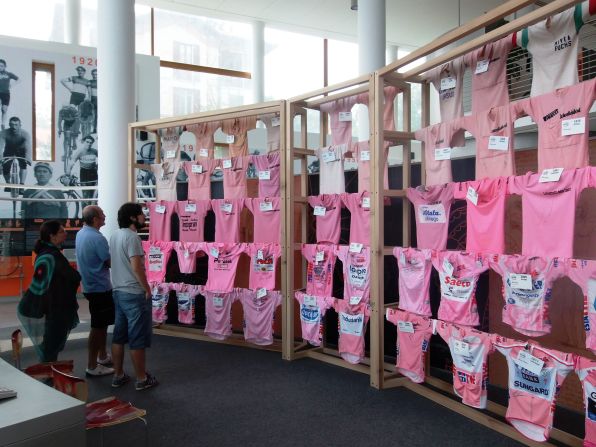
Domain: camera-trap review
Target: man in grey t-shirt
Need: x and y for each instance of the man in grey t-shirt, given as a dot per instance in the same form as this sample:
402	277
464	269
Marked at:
132	297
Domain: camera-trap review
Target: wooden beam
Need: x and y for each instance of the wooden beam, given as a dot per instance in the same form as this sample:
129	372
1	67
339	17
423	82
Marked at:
330	98
332	360
205	69
332	88
398	136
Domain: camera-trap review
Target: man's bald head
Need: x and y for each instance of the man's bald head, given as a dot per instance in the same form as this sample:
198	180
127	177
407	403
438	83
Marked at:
93	216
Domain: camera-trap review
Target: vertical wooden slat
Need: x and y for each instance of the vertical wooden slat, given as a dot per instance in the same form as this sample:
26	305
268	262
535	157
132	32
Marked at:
406	166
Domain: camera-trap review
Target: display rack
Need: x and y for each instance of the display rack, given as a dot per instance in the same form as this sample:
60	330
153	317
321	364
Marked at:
153	127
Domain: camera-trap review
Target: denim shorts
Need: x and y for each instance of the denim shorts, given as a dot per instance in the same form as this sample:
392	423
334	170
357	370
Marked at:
133	320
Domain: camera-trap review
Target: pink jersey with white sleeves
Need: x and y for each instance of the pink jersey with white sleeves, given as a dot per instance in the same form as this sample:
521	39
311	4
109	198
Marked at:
319	273
160	294
586	371
157	255
583	273
223	260
263	265
199	177
266	213
204	142
165	180
356	269
312	311
458	288
532	395
187	255
469	350
191	218
359	206
234	177
328	221
413	338
160	220
361	152
431	208
218	313
526	310
550	208
352	321
485	231
268	169
185	296
238	128
415	267
259	313
227	219
341	127
331	169
438	136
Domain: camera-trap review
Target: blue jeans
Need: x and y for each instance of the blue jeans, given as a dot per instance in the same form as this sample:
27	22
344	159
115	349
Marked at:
132	324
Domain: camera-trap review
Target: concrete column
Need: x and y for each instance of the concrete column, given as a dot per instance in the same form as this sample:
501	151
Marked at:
391	54
371	35
116	107
72	21
258	61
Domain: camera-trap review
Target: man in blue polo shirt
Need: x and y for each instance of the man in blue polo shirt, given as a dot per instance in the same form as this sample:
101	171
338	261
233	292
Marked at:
93	261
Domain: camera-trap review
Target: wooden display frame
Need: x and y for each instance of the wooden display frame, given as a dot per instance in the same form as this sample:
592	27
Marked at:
153	126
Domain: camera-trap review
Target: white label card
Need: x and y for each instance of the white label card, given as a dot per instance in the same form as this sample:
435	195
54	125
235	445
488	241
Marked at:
448	82
190	208
196	169
261	292
161	209
203	152
447	267
320	256
461	348
310	300
575	126
520	281
266	206
529	362
227	163
482	66
260	254
365	156
366	202
402	258
328	156
214	252
345	116
275	121
405	326
230	139
496	143
171	154
443	153
472	195
550	175
320	210
264	175
355	300
355	247
226	207
217	301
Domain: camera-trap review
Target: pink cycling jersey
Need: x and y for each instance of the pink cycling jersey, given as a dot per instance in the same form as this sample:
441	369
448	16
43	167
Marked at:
586	371
413	338
356	269
431	208
361	152
259	313
199	177
160	220
223	260
341	126
469	350
187	255
157	254
435	137
160	294
266	213
218	312
268	170
458	288
204	142
165	180
331	169
185	296
532	394
238	128
583	273
359	206
352	321
319	273
227	219
263	265
234	177
415	267
328	219
191	218
312	311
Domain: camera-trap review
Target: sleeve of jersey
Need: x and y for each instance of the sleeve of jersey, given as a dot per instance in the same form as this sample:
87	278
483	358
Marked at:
460	190
442	328
341	251
436	260
391	316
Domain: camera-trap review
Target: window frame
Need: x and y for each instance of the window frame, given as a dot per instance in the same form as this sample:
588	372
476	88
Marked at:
48	68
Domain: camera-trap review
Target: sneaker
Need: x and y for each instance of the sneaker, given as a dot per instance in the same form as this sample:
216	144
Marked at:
117	382
99	370
149	382
105	362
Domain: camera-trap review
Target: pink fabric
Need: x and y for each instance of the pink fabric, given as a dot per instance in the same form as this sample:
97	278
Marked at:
218	313
192	222
352	321
259	315
550	208
199	184
341	131
160	224
185	296
203	133
411	348
222	268
239	127
160	294
586	371
319	275
227	223
458	290
359	216
549	111
431	208
583	273
267	222
356	269
311	316
361	152
234	178
170	142
532	396
526	311
489	89
470	369
331	173
263	269
485	230
328	226
157	254
389	93
438	136
415	267
268	163
187	255
165	180
273	132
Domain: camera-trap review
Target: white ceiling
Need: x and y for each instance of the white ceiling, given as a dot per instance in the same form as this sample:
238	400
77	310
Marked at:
410	23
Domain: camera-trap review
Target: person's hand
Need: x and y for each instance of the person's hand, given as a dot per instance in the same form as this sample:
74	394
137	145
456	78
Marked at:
147	294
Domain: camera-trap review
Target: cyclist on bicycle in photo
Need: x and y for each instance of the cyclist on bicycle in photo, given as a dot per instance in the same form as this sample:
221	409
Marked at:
5	86
77	86
15	142
49	208
93	95
87	158
69	121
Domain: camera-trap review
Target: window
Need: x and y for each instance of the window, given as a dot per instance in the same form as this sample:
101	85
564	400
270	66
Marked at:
185	52
43	112
342	62
33	19
185	100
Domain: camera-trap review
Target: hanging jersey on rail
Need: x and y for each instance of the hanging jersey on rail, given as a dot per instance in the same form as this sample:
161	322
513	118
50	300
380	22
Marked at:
259	312
234	177
227	219
160	220
266	213
327	212
352	321
185	297
312	311
160	294
223	261
331	169
157	255
237	130
170	143
199	177
263	265
272	122
187	255
431	208
340	119
361	152
583	273
191	218
218	312
320	261
438	140
359	206
356	269
165	180
268	173
415	267
204	142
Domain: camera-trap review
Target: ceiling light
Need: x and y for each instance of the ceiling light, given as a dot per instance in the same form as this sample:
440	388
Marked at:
354	5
